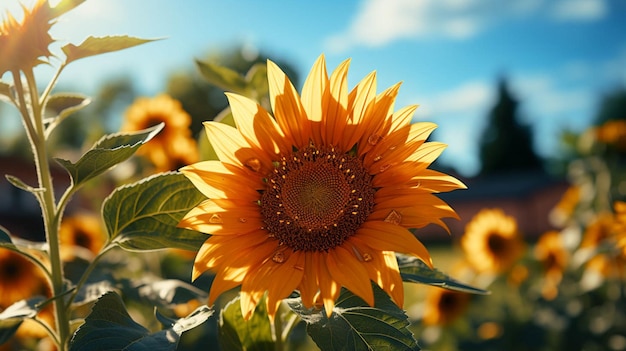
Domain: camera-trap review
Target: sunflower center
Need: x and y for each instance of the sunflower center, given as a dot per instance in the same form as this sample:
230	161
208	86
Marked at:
496	243
316	199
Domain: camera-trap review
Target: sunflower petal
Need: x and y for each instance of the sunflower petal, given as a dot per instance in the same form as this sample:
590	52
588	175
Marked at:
348	271
329	289
288	109
216	180
256	125
391	237
336	105
308	285
361	97
313	95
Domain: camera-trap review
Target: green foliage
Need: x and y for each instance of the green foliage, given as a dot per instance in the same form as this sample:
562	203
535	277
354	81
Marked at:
235	333
414	270
106	153
93	46
60	106
110	327
143	216
356	326
13	316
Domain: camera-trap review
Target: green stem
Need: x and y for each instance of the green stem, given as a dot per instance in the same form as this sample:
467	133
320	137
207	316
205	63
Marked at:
87	273
51	221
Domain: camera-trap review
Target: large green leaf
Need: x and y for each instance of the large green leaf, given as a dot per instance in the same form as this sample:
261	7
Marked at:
235	333
414	270
144	215
60	106
163	292
354	325
222	77
110	327
100	45
14	315
109	151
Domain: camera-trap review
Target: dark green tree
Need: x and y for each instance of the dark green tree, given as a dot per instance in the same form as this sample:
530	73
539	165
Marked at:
612	107
506	144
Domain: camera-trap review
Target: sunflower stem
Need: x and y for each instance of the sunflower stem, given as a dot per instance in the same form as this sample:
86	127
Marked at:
48	207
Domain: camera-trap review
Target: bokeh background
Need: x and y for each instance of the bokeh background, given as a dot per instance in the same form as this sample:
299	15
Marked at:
518	88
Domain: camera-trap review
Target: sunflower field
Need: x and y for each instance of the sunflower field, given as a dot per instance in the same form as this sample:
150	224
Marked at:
297	220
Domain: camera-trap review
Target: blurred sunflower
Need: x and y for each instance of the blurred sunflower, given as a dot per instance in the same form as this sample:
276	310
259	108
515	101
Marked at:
173	146
554	257
319	196
442	307
563	211
82	230
612	133
620	225
492	242
601	234
19	278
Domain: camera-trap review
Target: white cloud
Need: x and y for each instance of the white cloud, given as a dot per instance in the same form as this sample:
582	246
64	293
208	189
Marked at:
585	10
379	22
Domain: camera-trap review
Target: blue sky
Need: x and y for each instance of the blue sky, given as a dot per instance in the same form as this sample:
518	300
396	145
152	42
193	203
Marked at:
560	56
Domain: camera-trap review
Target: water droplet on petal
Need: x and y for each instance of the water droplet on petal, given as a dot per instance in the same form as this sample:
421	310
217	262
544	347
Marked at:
254	164
384	167
299	268
243	220
393	217
367	257
374	139
377	158
279	257
215	219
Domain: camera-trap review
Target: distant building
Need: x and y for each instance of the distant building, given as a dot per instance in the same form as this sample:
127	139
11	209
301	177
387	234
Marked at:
527	196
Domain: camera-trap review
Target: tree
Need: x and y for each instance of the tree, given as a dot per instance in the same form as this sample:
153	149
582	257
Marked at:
506	144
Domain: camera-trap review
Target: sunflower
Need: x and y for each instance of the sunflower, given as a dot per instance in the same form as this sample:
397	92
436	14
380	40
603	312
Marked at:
82	230
442	307
554	257
318	196
19	278
23	45
492	242
564	210
602	232
173	146
620	225
612	133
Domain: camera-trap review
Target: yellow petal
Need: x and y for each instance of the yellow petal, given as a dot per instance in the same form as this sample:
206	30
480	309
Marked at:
391	237
256	125
313	92
348	271
209	218
283	279
287	107
329	289
361	97
308	285
336	105
217	180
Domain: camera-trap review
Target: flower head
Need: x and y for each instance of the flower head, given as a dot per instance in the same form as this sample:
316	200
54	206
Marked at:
19	278
492	241
442	307
23	44
81	230
173	146
318	196
551	252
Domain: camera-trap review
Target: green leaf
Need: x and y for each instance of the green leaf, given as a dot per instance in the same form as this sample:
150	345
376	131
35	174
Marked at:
5	237
18	183
222	77
65	6
13	316
414	270
110	327
106	153
59	106
165	292
235	333
257	78
144	215
100	45
356	326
